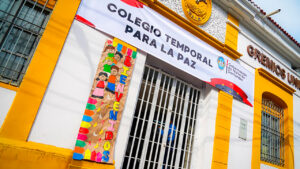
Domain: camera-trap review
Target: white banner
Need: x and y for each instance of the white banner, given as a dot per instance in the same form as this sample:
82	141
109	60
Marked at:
146	29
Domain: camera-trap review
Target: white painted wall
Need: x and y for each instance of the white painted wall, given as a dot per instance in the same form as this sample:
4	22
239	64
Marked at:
59	117
247	38
263	166
215	26
6	99
205	130
296	116
240	151
62	108
61	111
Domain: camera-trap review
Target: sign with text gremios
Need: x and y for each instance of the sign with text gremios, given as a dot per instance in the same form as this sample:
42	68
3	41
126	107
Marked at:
144	28
277	69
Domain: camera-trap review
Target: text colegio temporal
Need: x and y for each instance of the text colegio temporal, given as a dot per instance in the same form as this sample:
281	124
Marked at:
136	20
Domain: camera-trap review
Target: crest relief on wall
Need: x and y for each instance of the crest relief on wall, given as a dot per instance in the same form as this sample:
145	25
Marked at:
197	11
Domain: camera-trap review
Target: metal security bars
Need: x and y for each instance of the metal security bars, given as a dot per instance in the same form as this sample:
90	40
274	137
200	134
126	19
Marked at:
22	22
162	131
272	136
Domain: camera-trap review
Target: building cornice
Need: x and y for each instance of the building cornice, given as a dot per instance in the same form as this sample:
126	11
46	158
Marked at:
255	21
276	81
195	30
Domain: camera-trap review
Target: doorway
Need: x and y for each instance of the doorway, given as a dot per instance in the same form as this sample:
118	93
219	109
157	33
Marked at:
163	125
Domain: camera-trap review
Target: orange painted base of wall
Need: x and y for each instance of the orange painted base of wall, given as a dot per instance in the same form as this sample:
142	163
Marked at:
29	155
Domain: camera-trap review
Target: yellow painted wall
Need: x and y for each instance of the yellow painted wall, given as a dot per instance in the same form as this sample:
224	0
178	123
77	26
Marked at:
224	110
15	151
231	37
22	113
49	3
8	86
267	83
222	131
16	154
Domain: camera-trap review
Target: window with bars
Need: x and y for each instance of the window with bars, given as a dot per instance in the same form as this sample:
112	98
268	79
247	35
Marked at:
272	136
22	23
162	130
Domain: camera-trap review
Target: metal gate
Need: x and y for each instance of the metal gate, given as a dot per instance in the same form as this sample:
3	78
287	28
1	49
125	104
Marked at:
162	130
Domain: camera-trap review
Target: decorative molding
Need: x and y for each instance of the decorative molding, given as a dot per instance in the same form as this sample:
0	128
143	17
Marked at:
232	24
275	80
195	30
230	52
8	86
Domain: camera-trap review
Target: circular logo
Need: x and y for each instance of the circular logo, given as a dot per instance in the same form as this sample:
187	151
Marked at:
197	11
221	63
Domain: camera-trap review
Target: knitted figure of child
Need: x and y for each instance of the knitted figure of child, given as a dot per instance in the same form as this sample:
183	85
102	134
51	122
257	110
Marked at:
99	90
108	63
112	79
110	49
117	57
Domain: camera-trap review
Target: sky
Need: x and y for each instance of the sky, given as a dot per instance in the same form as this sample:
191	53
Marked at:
289	16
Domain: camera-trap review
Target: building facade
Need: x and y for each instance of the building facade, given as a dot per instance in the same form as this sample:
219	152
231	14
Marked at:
65	105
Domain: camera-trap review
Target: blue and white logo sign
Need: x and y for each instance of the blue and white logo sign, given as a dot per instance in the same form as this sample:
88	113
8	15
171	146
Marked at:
221	62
